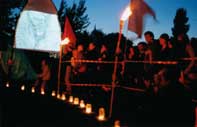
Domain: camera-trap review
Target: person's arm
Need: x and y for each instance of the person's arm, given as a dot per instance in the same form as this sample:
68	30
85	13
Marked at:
190	52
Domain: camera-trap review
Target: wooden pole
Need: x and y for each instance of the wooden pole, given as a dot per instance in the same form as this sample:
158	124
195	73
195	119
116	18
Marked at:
115	70
59	70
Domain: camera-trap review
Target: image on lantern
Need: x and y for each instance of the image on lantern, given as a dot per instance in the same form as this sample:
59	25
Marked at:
38	27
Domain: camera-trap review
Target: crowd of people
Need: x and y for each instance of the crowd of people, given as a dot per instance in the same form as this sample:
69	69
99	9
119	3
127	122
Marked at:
129	72
164	67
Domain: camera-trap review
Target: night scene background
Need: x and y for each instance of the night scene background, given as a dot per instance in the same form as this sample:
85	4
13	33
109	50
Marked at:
143	77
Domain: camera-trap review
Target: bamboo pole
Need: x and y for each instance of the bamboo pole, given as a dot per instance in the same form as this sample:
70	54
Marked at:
59	70
115	69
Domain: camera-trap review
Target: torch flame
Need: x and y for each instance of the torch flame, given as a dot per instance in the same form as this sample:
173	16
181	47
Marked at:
65	41
127	12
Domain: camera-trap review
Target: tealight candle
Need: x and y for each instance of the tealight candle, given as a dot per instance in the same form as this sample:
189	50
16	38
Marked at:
42	91
101	115
82	104
76	101
58	96
63	97
117	123
33	89
22	87
88	108
7	84
53	93
71	99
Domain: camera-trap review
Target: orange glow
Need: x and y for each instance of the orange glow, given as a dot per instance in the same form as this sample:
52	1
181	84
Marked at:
101	116
53	93
33	89
58	96
127	12
7	84
63	97
76	101
42	91
65	41
88	108
22	87
82	104
71	99
117	123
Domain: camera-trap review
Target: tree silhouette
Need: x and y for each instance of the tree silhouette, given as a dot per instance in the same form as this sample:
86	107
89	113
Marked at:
76	14
9	13
180	23
97	36
111	42
84	39
62	13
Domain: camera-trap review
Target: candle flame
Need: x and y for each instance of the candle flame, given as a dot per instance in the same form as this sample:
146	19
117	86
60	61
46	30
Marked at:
33	89
22	87
88	108
76	101
71	99
42	91
101	116
63	97
7	84
53	93
82	104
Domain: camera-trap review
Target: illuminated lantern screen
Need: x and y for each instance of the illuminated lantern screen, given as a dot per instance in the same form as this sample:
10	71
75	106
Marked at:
38	27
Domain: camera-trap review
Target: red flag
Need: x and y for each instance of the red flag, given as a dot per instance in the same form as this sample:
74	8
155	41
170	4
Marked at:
68	33
136	22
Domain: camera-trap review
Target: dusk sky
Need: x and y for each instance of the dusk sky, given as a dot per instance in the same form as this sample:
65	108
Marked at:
105	14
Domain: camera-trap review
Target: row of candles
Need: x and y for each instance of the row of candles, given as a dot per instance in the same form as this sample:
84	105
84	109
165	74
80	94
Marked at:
75	101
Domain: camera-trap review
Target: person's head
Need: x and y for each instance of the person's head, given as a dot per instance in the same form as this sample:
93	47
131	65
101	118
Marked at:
103	48
80	48
91	46
44	62
149	36
163	39
142	46
75	53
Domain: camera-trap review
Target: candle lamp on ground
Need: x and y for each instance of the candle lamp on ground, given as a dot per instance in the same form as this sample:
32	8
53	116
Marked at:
76	101
88	109
53	93
42	91
33	89
63	97
70	99
82	104
7	84
101	114
23	87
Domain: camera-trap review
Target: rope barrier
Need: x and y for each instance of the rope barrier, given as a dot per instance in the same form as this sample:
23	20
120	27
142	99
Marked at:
155	62
133	89
90	85
130	61
89	61
195	58
106	85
